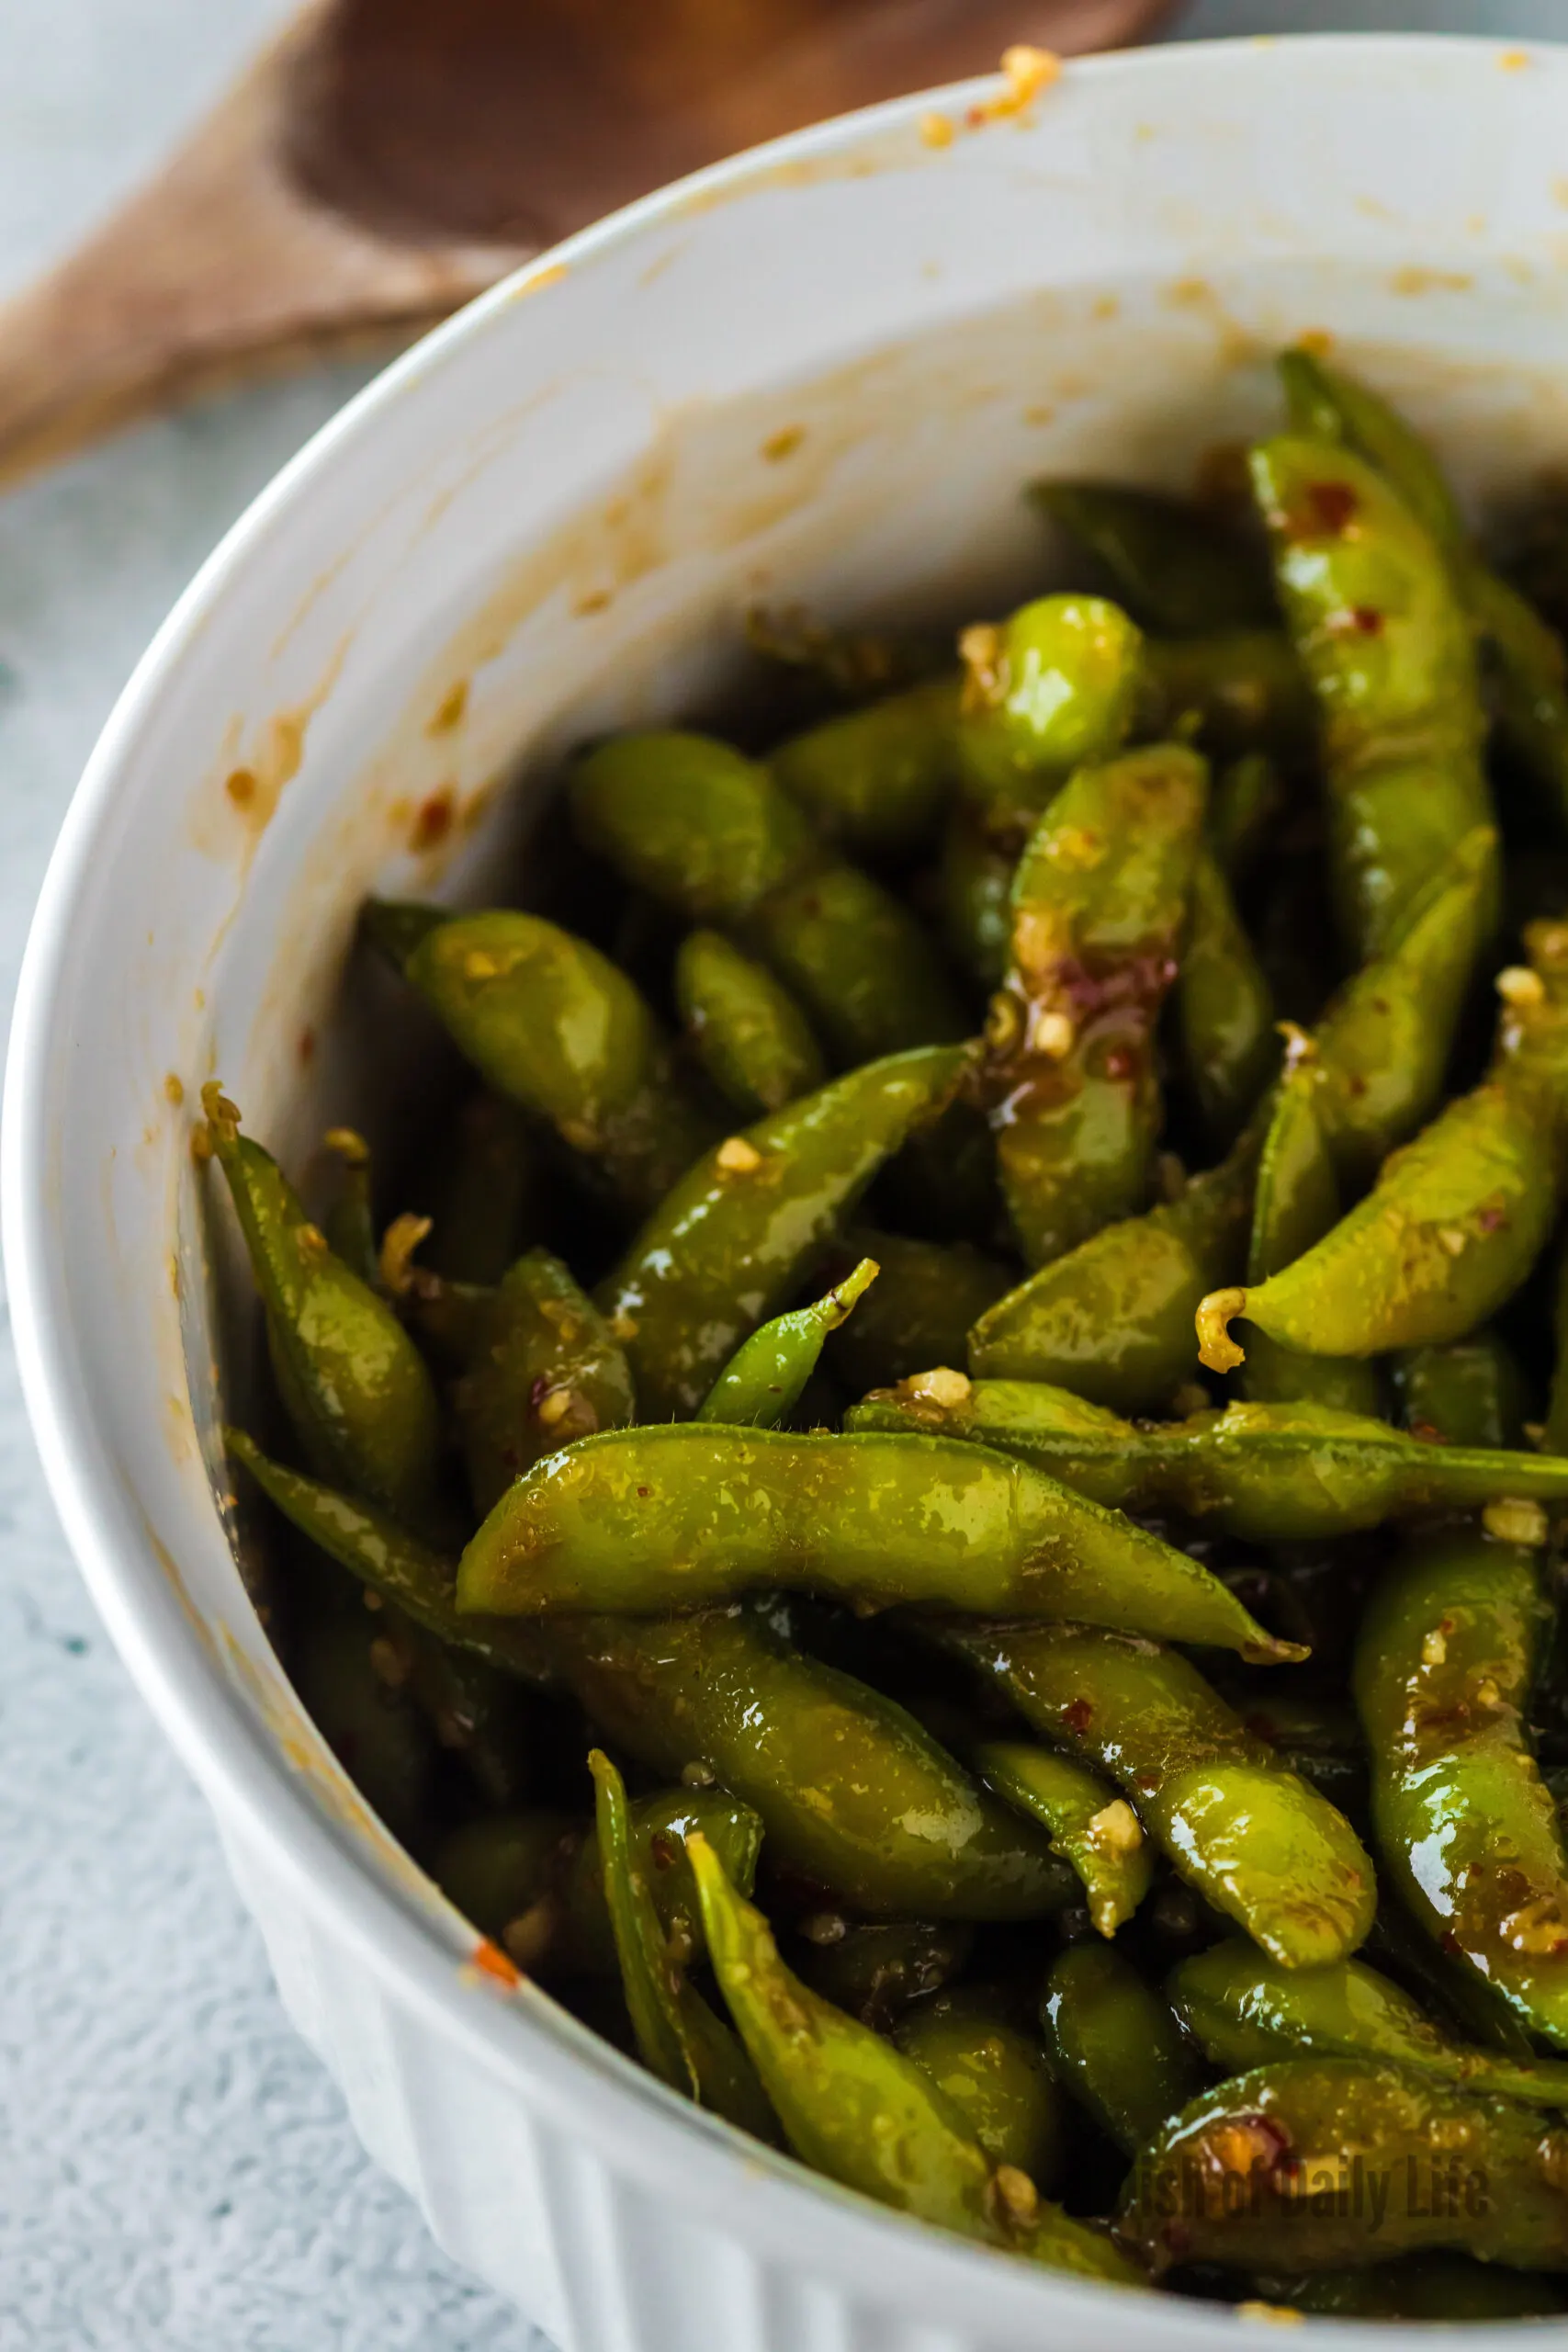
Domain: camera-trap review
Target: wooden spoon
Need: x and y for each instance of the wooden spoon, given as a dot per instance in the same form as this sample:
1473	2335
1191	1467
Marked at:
385	160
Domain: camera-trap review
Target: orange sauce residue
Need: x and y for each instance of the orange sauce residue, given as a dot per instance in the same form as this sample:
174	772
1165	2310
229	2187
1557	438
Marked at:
488	1960
433	819
449	712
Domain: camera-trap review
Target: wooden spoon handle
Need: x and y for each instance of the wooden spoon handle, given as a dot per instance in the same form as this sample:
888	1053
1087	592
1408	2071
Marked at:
218	268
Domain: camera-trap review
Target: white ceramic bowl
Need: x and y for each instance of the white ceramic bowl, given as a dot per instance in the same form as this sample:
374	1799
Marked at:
822	372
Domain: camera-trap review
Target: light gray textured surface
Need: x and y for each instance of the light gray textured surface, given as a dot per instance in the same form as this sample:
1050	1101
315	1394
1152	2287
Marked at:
176	2174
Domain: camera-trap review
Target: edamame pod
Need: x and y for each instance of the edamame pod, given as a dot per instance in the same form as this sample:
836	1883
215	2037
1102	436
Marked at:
1111	1319
1369	602
761	1384
1256	1843
1258	2173
926	1296
730	1244
1224	1007
680	1516
486	1199
855	2108
996	2076
1244	2011
1470	1393
350	1225
1114	2042
1239	690
1098	906
547	1370
877	779
1088	1824
1051	687
712	835
1448	1650
556	1027
355	1385
678	2036
750	1037
1268	1472
877	1969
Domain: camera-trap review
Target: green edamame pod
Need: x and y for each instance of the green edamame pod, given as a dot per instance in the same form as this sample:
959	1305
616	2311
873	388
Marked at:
730	1244
355	1385
1247	798
1112	1319
1446	2287
710	834
877	779
1470	1393
1449	1647
1265	2163
678	2036
1089	1824
761	1384
1098	906
995	2075
474	1710
1270	1474
1256	1843
1528	681
1112	2041
1239	690
1176	571
556	1027
976	880
855	2108
750	1037
1296	1202
1224	1007
503	1873
926	1296
486	1194
681	1515
856	1799
878	1969
1055	685
547	1370
1370	605
1329	405
1245	2011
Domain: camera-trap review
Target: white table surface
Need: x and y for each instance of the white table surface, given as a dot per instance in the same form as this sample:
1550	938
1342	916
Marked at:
176	2173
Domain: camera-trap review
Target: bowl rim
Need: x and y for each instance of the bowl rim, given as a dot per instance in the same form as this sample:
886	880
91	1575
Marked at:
641	2129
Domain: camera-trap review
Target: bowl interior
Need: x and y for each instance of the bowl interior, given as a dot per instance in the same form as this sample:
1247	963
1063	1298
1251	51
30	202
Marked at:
822	377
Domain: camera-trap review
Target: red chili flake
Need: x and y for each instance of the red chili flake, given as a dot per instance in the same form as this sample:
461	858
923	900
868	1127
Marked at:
1491	1219
1333	504
664	1849
1356	1084
1449	1940
1119	1063
538	1391
306	1045
1367	619
490	1961
433	819
1080	1714
643	1493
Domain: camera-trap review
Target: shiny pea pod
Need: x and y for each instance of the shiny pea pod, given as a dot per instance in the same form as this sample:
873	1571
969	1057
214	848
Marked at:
350	1225
763	1383
919	1312
1296	1202
996	2076
1224	1008
1371	604
1114	2044
370	1723
557	1028
1266	2158
1450	1644
1112	1319
975	890
857	2109
732	1242
1053	686
1245	806
681	1515
678	2036
548	1370
1090	1825
713	836
1176	571
1244	2011
750	1036
1098	906
877	779
486	1195
1254	1840
1267	1473
475	1711
857	1800
352	1381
